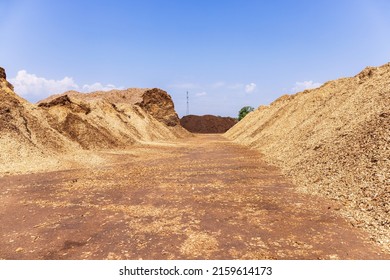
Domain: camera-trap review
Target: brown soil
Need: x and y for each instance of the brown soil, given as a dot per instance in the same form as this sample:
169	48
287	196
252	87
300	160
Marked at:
207	123
199	198
333	141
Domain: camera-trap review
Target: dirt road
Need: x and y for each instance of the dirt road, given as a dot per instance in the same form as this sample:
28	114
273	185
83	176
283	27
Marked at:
202	198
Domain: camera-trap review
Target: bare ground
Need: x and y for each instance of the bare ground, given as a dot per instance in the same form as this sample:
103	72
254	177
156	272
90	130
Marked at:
201	198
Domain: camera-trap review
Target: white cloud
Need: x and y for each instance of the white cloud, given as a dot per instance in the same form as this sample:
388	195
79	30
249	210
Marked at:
203	93
301	86
30	85
27	84
250	88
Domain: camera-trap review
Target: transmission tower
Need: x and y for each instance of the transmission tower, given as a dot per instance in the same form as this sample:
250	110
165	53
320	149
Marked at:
188	104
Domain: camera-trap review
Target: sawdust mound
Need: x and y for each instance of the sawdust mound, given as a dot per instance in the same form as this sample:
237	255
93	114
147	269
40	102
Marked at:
113	119
156	102
207	123
333	141
24	134
33	135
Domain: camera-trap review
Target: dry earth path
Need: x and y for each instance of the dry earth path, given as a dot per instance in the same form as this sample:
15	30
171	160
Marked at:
201	198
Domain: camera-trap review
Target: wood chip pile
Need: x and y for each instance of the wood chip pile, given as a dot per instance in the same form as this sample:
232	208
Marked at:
333	141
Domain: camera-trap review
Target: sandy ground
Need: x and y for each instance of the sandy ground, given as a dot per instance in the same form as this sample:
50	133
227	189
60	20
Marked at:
201	198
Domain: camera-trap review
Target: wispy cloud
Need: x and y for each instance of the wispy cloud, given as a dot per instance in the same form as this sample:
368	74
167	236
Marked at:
218	85
184	86
203	93
250	88
235	86
98	87
30	85
300	86
227	86
212	87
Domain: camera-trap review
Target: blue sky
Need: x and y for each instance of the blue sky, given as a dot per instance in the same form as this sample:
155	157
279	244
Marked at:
227	54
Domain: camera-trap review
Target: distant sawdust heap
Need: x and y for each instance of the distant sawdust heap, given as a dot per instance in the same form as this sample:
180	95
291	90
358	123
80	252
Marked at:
333	141
73	121
207	123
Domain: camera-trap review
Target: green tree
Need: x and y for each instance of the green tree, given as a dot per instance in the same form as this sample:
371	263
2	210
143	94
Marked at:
244	111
